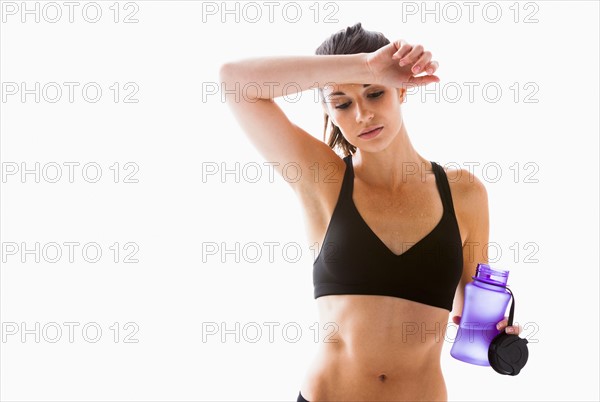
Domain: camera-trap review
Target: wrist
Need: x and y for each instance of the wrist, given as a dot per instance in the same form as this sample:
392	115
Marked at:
357	69
368	77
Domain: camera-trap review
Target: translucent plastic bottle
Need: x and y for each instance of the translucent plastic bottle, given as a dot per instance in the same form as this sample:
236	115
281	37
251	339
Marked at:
486	299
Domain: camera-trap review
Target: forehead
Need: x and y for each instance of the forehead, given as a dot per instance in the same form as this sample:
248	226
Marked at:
333	89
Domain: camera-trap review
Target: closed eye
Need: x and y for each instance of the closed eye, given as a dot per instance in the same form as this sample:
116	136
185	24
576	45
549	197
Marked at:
373	95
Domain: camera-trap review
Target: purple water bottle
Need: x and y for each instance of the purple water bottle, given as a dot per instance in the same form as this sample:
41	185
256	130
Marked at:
486	299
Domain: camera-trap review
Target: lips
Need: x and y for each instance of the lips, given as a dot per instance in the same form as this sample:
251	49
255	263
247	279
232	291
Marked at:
369	129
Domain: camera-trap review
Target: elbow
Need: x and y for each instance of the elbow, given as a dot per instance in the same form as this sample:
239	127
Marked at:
226	76
228	72
225	72
233	76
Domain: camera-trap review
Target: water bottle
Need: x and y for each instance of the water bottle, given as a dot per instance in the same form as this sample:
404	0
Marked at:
486	299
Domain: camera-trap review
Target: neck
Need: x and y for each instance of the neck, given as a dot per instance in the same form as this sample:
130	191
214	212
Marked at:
394	167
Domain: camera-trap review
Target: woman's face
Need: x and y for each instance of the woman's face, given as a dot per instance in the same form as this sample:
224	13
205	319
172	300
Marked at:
355	108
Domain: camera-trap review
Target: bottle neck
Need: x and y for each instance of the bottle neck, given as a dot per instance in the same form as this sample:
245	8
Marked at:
489	275
489	284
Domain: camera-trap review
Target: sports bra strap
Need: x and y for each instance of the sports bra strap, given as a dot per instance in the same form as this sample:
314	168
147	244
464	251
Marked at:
443	185
440	177
348	183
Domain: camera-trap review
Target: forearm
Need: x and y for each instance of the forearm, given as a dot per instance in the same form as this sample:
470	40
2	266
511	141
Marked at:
272	77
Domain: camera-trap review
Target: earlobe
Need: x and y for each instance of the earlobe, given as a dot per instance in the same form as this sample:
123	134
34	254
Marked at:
401	94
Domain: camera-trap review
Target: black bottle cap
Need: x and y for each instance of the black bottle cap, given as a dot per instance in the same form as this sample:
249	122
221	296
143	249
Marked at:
508	353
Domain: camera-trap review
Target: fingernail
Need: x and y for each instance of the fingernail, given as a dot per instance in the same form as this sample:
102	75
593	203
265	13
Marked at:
510	330
498	326
416	69
402	63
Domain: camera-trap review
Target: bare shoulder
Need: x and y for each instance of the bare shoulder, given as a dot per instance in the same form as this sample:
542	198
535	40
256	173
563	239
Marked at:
466	187
323	173
469	197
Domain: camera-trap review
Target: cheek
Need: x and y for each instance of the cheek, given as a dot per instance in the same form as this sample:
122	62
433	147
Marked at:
335	116
391	102
392	106
339	119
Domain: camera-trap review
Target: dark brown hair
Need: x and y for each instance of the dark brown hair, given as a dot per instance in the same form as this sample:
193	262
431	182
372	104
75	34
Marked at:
352	40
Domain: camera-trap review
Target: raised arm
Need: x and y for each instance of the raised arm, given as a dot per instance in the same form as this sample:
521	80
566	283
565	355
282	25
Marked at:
250	86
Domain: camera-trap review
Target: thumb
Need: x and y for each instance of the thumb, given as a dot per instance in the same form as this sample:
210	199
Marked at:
424	80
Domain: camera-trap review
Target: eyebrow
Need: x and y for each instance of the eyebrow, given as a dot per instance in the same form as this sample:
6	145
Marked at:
341	93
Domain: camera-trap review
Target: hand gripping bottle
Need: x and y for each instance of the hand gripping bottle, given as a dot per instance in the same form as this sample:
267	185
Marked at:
486	299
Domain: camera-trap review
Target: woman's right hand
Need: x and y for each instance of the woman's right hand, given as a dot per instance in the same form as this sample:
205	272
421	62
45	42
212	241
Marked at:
385	68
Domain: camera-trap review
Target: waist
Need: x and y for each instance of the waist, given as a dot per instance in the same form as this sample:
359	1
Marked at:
373	358
340	375
382	332
377	348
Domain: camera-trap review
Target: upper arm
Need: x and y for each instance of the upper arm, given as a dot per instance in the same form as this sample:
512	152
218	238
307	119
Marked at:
475	210
279	140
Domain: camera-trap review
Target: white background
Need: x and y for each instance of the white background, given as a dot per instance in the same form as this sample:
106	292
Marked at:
175	290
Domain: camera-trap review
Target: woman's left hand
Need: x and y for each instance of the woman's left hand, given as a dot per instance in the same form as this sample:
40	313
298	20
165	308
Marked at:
513	329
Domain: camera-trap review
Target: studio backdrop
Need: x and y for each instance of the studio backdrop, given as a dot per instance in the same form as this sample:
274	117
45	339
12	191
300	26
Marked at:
150	253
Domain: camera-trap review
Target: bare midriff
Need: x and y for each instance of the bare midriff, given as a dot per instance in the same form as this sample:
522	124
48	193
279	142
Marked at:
377	348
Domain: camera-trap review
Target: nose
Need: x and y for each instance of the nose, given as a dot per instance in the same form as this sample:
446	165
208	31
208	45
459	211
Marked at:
363	114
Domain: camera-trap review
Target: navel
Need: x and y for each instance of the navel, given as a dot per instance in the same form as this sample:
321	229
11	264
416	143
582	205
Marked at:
382	377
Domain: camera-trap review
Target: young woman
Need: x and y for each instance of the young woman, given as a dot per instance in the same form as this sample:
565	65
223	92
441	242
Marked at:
398	240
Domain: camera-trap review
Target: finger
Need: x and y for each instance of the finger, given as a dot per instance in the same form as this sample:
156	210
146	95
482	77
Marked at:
513	329
402	49
421	63
431	67
502	324
423	80
412	56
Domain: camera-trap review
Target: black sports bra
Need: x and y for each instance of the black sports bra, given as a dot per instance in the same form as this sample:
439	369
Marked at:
353	260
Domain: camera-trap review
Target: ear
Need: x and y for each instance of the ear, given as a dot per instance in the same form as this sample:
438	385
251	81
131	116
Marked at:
401	94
